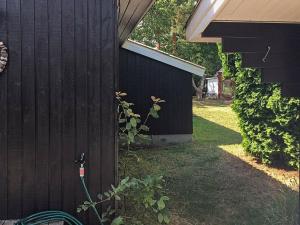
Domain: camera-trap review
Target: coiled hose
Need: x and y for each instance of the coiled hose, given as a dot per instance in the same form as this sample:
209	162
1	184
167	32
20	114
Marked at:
49	217
58	216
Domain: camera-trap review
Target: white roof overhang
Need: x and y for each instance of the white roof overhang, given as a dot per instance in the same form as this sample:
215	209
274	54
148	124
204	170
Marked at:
244	11
164	57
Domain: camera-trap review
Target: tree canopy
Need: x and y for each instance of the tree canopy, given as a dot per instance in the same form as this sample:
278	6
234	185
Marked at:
164	27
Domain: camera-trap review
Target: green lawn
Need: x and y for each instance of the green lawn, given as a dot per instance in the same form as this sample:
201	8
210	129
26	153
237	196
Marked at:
213	182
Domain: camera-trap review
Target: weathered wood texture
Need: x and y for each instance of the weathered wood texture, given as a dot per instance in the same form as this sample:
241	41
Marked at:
142	77
57	100
130	13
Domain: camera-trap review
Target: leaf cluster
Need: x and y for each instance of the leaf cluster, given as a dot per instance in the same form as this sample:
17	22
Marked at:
131	124
270	123
144	192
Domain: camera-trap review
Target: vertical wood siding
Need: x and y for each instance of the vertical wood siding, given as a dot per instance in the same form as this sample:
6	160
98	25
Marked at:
130	13
142	77
56	101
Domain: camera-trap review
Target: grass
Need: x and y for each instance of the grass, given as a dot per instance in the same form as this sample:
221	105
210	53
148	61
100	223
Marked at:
213	182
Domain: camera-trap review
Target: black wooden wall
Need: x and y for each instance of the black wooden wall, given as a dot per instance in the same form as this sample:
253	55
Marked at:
56	101
142	77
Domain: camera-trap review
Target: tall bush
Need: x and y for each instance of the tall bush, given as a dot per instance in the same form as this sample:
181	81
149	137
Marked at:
270	123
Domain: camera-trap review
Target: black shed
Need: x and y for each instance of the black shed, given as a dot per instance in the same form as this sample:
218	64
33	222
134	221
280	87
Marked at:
146	72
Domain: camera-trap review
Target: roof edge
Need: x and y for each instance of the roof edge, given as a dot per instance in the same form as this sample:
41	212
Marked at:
164	57
204	13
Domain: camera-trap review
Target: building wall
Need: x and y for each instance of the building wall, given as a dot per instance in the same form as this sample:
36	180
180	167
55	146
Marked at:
142	77
56	101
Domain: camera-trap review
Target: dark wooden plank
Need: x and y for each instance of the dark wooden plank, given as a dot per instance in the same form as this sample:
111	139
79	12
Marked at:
128	14
132	16
42	101
69	172
28	104
122	9
278	75
55	79
241	29
142	77
14	120
272	60
251	45
81	88
290	89
108	114
3	118
53	99
94	100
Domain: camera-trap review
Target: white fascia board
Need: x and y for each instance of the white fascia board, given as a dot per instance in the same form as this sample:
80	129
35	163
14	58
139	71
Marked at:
205	13
164	57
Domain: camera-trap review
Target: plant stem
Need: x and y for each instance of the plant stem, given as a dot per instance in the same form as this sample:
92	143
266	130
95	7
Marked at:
90	200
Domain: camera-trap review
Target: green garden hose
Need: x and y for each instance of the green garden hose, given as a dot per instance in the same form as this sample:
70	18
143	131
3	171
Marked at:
57	216
49	217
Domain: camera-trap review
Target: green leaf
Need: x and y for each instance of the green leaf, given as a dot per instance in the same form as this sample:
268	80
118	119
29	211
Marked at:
161	205
152	202
130	137
160	218
133	122
84	207
144	128
117	221
118	198
128	126
156	107
154	113
166	219
165	198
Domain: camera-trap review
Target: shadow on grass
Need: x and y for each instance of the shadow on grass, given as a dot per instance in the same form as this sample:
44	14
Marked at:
209	132
215	187
209	186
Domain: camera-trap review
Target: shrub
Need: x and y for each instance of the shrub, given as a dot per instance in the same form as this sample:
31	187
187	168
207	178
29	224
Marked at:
270	123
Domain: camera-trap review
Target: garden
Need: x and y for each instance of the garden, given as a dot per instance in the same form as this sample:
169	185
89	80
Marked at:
242	167
213	180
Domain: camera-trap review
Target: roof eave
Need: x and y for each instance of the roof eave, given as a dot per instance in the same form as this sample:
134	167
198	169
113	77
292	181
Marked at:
164	57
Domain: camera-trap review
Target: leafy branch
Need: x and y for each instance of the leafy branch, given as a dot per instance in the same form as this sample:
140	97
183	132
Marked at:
131	124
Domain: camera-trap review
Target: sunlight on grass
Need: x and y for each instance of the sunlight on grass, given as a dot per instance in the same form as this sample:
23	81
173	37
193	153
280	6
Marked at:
225	117
212	181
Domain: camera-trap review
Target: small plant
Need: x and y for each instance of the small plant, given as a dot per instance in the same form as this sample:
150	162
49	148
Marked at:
143	192
131	124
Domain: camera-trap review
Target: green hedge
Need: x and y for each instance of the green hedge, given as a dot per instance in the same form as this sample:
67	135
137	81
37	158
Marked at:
270	123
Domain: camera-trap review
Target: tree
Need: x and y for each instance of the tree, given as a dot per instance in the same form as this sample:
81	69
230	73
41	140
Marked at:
163	27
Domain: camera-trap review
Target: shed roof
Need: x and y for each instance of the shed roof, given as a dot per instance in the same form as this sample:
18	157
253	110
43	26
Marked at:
164	57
